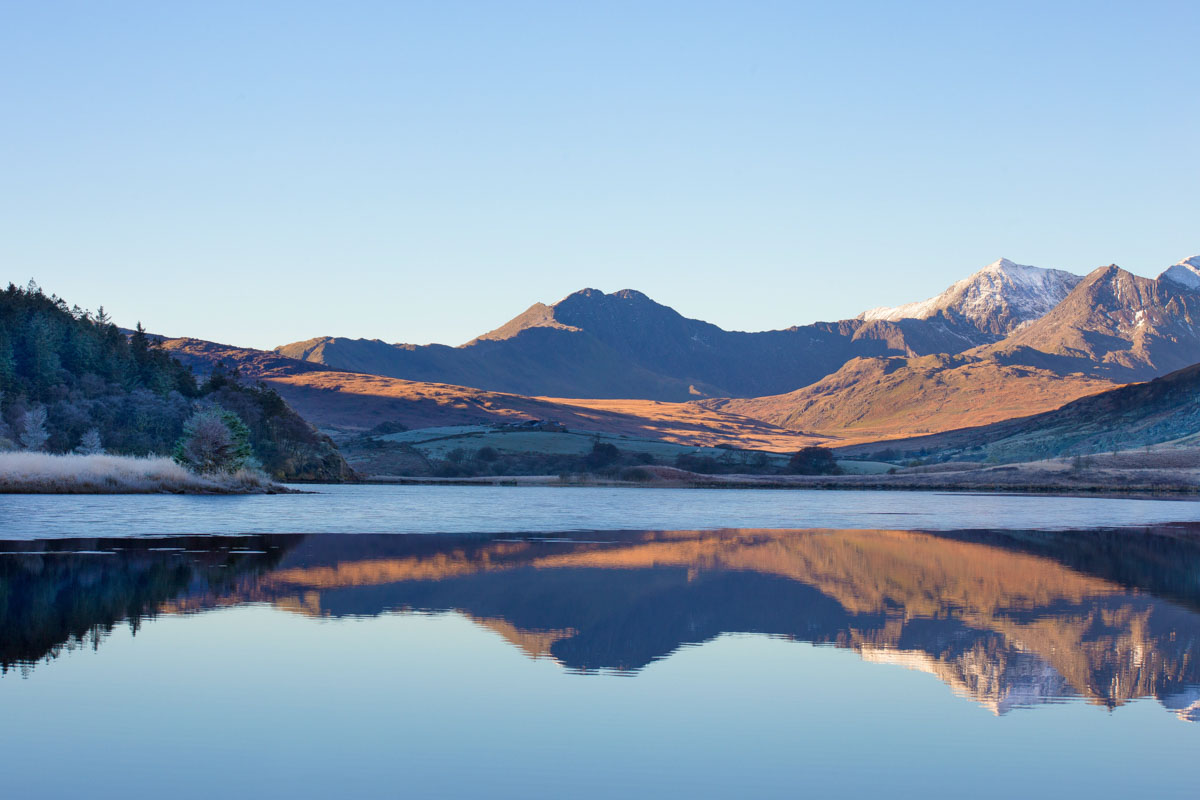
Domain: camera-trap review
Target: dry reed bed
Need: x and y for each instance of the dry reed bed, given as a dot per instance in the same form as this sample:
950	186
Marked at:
46	473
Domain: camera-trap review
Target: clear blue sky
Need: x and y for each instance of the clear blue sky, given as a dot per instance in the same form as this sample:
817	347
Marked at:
257	173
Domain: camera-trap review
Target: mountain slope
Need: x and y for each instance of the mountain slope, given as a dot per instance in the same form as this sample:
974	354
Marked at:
996	300
882	398
625	345
1113	327
1162	410
1186	273
355	402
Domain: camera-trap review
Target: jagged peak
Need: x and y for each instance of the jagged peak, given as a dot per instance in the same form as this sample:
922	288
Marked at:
597	294
1184	273
1018	292
587	292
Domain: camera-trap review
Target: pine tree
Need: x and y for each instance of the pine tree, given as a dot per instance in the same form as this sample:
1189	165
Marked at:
90	444
8	364
33	429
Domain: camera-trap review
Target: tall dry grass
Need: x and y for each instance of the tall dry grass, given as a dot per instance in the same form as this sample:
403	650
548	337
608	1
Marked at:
45	473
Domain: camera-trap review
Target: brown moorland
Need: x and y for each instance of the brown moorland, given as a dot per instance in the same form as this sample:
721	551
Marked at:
873	399
353	401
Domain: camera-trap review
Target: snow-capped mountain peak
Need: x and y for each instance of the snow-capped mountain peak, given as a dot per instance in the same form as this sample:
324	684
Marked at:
997	299
1185	273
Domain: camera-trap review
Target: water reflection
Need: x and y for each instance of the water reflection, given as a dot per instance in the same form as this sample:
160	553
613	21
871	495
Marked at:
1007	619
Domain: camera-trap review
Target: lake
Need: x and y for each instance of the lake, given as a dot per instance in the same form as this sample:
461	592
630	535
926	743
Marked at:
587	642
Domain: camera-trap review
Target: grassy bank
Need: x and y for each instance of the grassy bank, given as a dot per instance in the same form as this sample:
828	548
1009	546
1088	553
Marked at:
43	473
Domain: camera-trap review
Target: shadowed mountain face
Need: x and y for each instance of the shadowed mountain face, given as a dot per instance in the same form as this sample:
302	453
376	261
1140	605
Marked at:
625	345
1006	619
592	344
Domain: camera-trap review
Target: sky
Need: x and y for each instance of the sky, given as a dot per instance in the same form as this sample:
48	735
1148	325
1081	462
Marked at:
257	173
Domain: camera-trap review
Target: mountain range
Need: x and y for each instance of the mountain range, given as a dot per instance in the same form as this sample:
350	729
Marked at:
1008	342
1112	328
592	344
1110	324
625	345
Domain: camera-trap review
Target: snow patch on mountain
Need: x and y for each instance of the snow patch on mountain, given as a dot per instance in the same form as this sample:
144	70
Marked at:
1000	297
1185	273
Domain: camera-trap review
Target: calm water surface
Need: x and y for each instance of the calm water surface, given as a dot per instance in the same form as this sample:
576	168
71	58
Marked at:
686	644
459	509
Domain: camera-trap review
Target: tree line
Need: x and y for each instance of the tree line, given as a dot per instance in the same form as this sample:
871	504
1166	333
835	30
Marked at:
72	381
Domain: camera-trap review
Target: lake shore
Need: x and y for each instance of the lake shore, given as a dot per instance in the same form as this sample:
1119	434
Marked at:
1111	477
46	473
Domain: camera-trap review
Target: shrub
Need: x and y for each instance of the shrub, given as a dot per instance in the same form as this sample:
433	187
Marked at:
603	454
695	462
214	440
636	474
814	461
384	428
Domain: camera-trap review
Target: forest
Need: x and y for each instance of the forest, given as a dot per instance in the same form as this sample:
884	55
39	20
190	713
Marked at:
72	381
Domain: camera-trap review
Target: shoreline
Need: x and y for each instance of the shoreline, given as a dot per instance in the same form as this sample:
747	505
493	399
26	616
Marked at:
826	483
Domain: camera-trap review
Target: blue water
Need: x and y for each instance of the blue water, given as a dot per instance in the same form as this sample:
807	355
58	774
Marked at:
452	509
985	646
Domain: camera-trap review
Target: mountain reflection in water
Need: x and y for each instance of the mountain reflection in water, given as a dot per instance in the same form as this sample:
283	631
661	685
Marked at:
1007	619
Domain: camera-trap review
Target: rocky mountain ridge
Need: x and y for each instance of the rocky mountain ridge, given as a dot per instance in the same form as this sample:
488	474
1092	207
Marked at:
979	353
997	299
1112	328
626	345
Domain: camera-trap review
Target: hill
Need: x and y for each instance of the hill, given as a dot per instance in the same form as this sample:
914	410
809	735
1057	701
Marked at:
351	403
85	374
1166	409
884	398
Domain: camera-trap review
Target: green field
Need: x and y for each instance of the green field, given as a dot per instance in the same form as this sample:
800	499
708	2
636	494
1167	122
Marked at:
439	442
